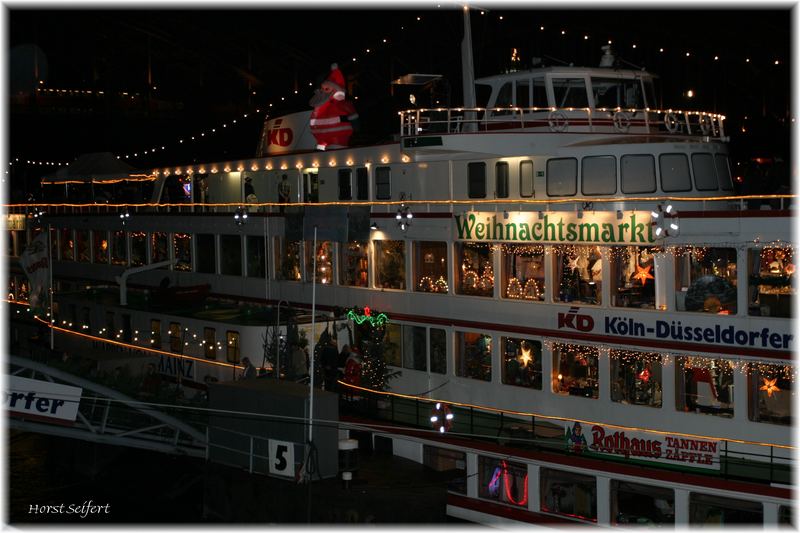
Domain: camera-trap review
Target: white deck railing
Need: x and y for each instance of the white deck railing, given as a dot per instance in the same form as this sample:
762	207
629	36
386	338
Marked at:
417	122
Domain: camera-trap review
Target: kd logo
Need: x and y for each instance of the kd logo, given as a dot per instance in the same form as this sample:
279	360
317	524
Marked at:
573	320
280	136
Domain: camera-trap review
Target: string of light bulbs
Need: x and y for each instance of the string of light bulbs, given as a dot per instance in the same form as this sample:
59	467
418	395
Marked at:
382	43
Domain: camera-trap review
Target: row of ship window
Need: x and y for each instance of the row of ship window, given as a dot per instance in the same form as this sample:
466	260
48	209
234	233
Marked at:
705	277
574	495
598	175
702	385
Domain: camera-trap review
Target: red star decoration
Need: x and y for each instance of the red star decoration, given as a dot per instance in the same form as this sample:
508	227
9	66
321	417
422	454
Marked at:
643	273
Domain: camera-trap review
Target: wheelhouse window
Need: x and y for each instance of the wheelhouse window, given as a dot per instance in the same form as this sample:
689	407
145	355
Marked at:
638	174
287	257
119	248
503	481
570	494
709	510
100	246
474	356
233	351
362	184
158	247
523	93
182	245
175	338
526	179
476	180
770	392
474	269
501	180
772	283
82	245
674	173
636	378
704	386
67	242
610	93
723	172
230	255
390	264
522	363
256	257
706	280
324	257
438	348
383	183
414	351
354	264
575	370
578	274
705	176
206	254
634	503
430	266
138	248
570	92
345	184
562	176
634	275
599	175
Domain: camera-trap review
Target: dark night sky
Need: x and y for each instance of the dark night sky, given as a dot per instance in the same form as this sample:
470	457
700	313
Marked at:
205	65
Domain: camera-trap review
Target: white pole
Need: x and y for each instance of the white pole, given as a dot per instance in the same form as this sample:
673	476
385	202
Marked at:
50	288
313	321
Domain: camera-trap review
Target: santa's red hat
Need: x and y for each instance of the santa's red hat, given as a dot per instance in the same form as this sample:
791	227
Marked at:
336	82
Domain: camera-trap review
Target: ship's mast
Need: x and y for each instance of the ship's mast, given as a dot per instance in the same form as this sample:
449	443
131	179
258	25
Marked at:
468	73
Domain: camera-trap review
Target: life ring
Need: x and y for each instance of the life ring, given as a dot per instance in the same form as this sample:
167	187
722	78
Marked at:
622	122
671	122
441	417
705	124
557	120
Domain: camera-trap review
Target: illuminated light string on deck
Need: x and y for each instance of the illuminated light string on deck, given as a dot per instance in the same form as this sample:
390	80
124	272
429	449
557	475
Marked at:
469	202
136	346
529	414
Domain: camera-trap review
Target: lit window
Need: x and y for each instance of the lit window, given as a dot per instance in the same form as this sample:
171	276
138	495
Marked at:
704	386
575	370
706	280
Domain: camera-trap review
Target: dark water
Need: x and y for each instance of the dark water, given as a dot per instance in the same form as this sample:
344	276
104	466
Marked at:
123	485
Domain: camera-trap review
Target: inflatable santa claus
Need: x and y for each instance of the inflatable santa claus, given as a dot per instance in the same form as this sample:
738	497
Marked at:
331	120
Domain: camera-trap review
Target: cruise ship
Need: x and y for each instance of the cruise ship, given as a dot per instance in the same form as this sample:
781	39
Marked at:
581	316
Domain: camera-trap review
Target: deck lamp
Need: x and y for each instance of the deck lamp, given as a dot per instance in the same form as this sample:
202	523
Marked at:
240	216
404	215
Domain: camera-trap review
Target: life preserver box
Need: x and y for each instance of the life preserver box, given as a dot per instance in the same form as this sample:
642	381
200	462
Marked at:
441	417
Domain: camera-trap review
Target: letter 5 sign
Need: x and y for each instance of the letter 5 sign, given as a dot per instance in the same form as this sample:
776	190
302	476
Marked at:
281	458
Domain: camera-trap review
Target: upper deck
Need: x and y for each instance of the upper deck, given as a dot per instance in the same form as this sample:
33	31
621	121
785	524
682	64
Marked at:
613	106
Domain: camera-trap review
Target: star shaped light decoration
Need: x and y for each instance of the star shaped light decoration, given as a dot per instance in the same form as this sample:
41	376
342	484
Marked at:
573	263
643	274
769	386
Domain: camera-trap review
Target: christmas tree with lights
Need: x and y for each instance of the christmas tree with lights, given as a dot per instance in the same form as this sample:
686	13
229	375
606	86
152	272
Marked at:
375	373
